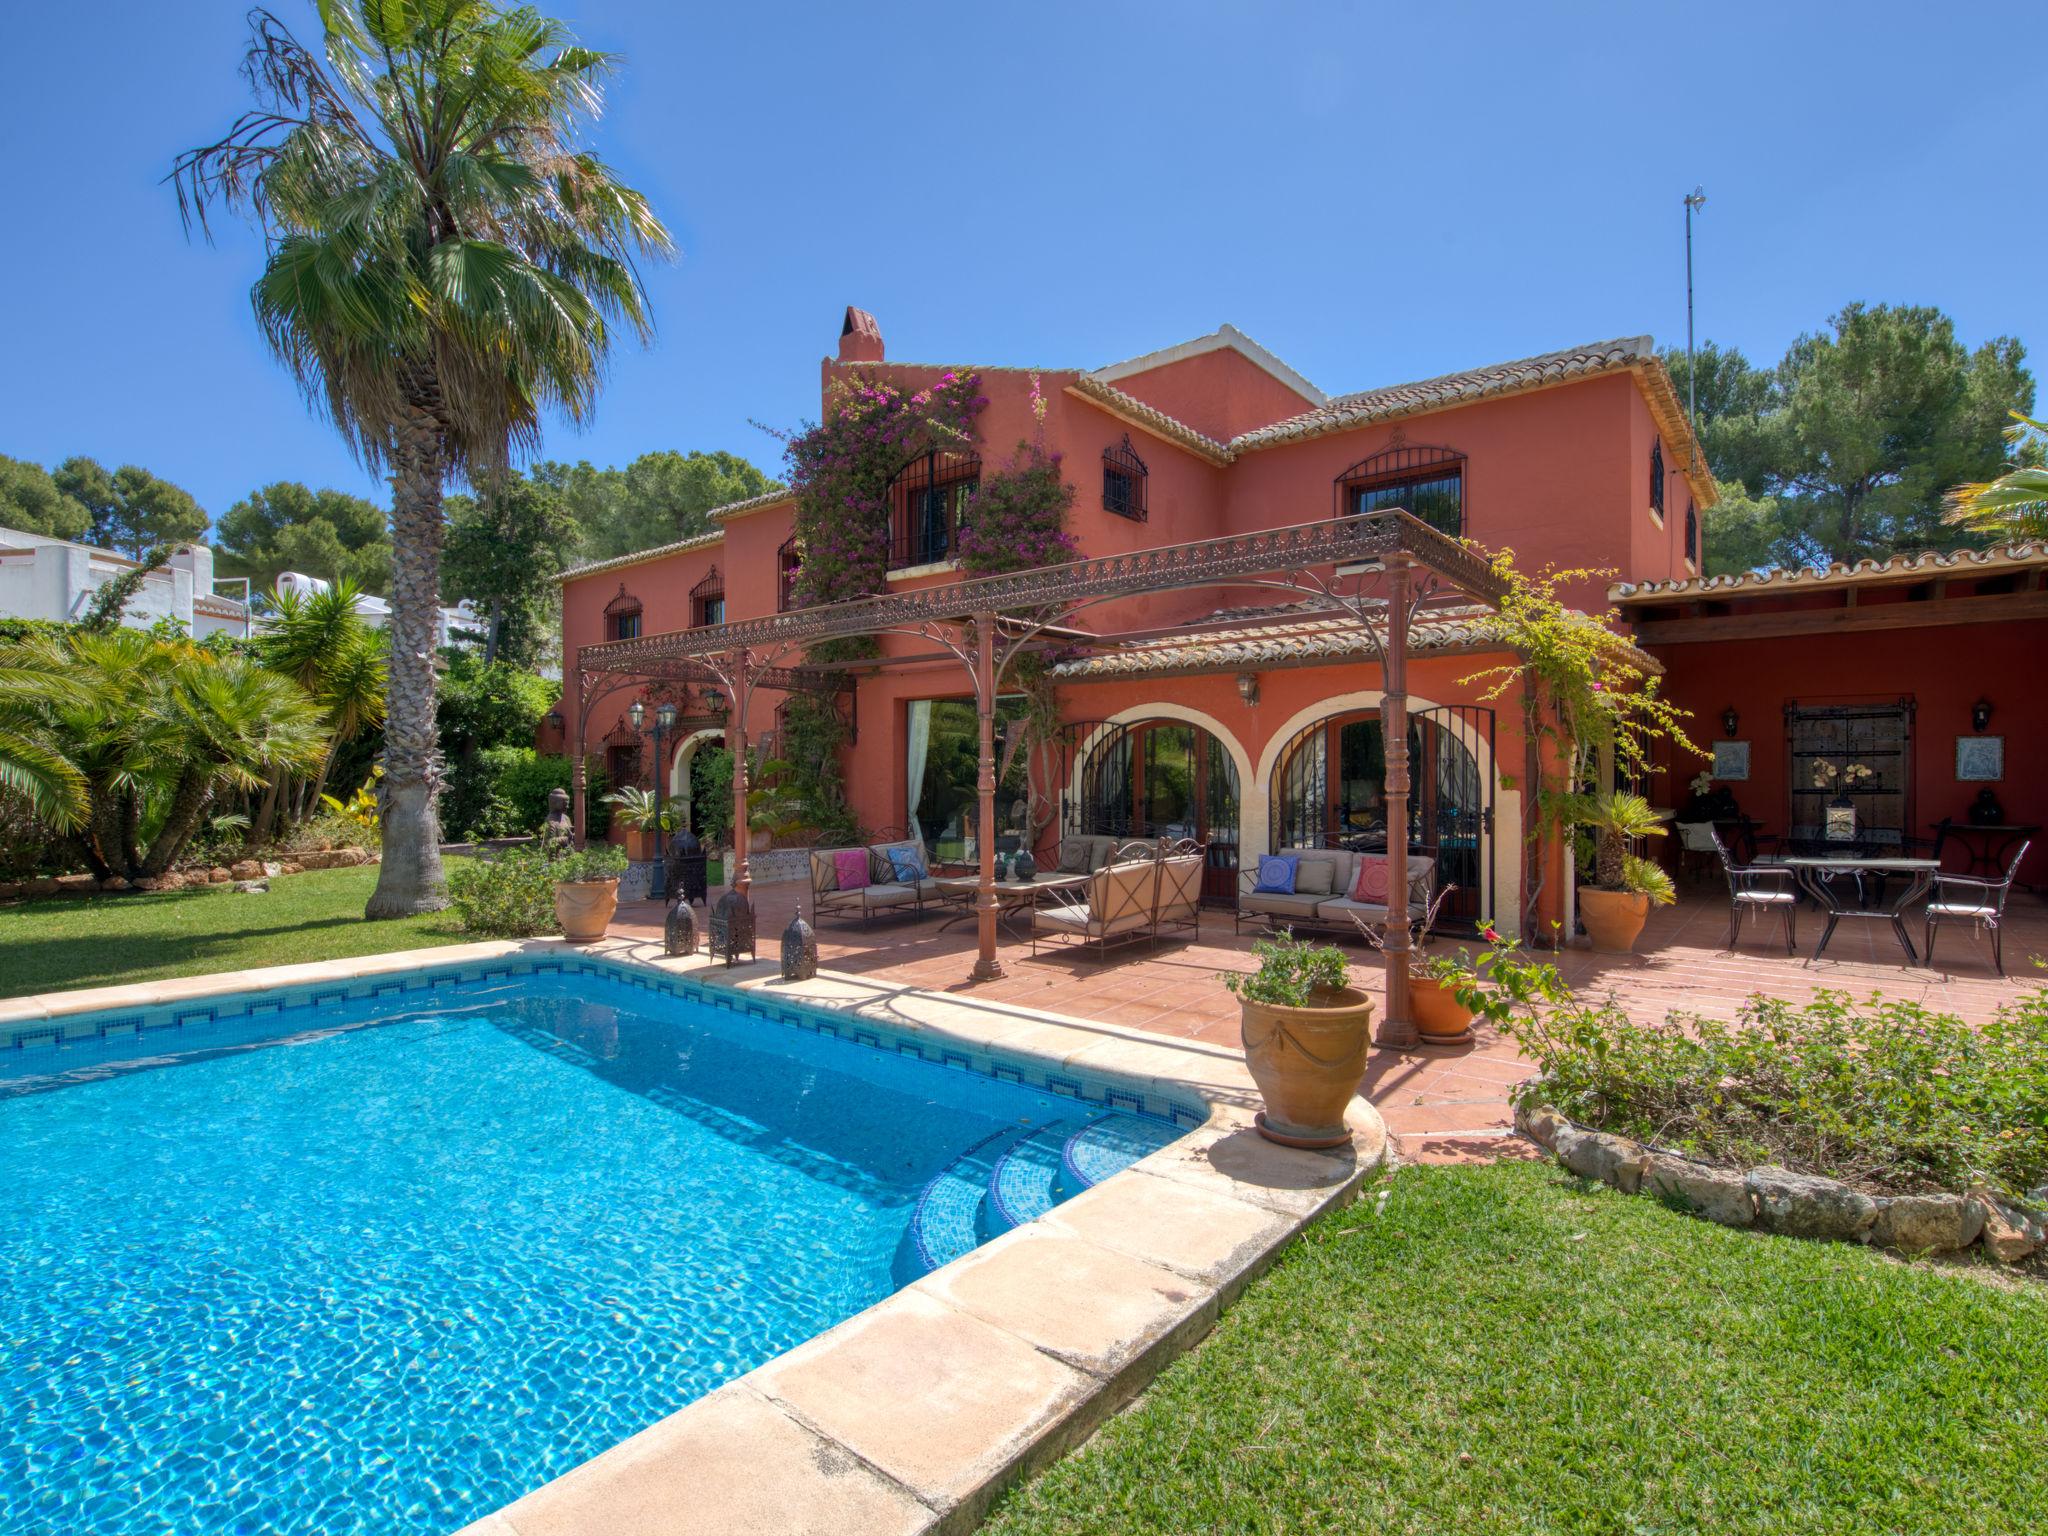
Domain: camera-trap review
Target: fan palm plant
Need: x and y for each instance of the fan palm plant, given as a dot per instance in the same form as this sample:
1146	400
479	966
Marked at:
2016	503
1615	820
154	730
444	262
29	766
321	642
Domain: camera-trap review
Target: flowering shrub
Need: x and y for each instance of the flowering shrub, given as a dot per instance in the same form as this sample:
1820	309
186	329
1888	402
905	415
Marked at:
840	469
511	896
1017	518
1885	1094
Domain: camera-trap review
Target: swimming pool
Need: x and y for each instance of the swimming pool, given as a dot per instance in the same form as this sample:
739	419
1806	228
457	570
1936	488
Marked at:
382	1256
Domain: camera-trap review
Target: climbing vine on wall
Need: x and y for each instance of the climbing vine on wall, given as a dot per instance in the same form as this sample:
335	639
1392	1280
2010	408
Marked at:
840	468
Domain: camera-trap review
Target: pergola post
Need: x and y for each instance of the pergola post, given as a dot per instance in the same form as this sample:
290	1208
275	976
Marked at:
579	713
1397	1024
986	966
738	694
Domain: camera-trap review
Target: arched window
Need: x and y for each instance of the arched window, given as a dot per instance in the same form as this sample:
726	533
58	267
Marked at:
1426	482
788	561
1692	533
1123	481
707	600
622	616
1657	477
925	502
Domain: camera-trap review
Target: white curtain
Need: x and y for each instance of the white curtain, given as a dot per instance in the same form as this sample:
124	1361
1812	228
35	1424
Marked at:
917	745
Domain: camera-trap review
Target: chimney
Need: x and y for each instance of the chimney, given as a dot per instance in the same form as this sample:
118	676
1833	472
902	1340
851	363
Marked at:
860	339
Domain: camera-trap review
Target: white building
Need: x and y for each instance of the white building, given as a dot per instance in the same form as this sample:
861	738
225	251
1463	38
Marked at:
48	578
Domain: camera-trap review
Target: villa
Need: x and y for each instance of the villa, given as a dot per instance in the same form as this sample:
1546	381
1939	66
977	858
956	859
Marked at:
54	580
1249	720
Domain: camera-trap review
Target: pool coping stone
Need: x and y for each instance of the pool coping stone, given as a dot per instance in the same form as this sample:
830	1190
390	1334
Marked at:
914	1415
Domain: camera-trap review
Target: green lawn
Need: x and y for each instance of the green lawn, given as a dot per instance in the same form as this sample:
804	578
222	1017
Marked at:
65	942
1500	1350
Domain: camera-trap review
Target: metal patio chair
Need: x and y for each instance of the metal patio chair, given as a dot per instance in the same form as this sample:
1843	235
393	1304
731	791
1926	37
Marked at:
1974	900
1758	889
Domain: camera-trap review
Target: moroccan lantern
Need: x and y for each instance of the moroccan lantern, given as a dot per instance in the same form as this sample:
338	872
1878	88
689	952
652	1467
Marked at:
679	933
732	928
799	948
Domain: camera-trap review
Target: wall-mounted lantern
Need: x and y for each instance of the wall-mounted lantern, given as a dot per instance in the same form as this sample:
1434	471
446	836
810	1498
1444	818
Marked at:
1980	714
1729	720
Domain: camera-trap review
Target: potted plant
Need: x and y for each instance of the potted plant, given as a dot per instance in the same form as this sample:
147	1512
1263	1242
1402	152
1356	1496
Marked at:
1616	905
587	890
647	824
1438	986
1305	1031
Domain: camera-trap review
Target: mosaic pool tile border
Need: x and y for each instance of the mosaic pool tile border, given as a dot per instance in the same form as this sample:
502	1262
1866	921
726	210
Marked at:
36	1046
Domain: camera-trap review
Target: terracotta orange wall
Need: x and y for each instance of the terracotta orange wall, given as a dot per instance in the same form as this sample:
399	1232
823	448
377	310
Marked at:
1555	475
1220	394
1944	671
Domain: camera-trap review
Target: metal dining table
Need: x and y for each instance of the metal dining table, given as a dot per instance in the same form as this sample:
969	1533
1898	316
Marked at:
1827	877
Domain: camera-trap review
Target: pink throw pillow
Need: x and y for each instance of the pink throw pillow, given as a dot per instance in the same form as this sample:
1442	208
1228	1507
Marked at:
850	868
1371	884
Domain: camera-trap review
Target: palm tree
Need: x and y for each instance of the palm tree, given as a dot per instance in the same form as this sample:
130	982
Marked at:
324	644
2014	505
153	730
29	766
226	723
444	262
1615	819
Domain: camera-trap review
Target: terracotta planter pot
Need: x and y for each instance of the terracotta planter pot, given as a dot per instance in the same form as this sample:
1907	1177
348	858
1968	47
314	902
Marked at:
1613	918
1439	1017
584	909
1307	1063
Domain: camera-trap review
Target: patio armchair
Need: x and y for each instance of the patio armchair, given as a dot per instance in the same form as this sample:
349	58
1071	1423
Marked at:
1757	889
1180	887
1118	905
1974	900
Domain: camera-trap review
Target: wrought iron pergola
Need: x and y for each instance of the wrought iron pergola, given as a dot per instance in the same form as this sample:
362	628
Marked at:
1384	570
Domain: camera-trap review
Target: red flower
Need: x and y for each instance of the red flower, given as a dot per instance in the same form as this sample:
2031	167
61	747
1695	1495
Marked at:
1491	936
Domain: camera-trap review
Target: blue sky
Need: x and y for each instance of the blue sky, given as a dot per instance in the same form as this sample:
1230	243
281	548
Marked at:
1378	193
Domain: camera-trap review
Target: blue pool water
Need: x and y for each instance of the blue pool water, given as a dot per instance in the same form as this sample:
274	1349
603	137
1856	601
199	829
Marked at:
354	1263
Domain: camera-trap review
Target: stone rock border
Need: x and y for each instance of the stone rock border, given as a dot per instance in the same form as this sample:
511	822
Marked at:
1794	1204
189	879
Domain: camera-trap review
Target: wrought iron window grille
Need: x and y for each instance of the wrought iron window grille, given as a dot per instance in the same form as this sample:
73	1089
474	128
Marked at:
1425	481
1657	477
926	501
1124	478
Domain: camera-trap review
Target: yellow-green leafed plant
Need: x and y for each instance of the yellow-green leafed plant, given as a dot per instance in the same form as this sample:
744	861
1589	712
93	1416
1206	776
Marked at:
2014	505
360	808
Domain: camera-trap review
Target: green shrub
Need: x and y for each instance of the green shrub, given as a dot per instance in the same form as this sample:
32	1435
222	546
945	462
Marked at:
599	861
503	792
1882	1093
1291	971
508	896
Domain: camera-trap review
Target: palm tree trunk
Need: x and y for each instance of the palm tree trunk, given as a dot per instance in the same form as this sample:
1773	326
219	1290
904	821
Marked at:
410	880
188	803
266	818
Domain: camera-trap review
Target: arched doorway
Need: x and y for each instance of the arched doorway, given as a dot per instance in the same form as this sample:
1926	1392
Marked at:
1157	778
679	775
1329	791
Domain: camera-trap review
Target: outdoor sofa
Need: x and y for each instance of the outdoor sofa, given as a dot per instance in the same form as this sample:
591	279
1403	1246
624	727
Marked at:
1324	879
875	890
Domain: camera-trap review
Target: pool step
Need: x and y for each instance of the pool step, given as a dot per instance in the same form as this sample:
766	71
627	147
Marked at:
1026	1182
946	1222
1110	1145
1017	1175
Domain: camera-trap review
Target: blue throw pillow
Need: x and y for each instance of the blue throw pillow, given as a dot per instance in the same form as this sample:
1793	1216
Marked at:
907	864
1276	874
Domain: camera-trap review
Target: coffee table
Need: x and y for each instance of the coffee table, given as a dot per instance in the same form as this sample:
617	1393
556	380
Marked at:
1012	896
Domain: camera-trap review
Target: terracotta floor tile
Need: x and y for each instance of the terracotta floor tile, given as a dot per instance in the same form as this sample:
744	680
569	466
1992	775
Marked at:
1437	1102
